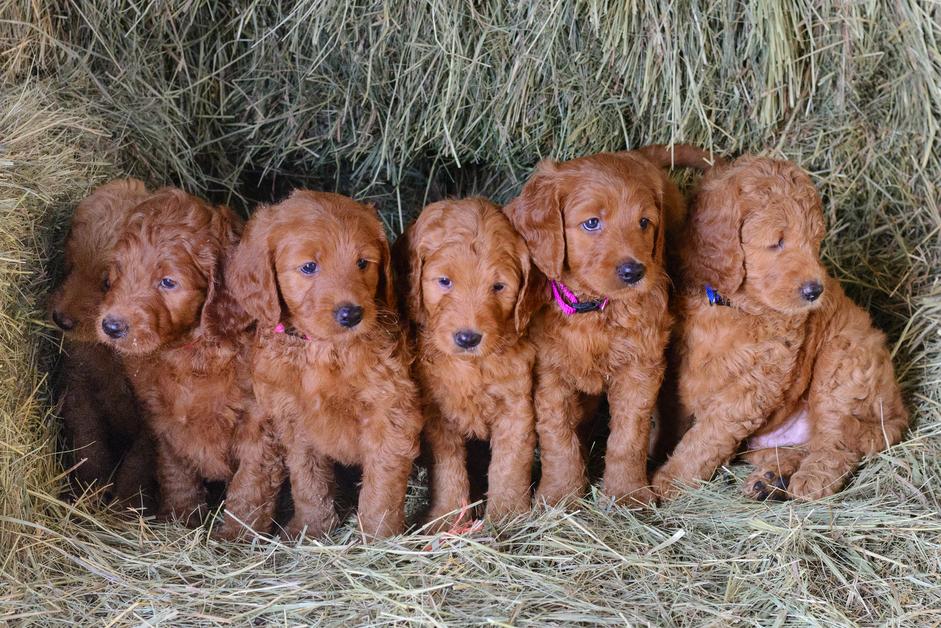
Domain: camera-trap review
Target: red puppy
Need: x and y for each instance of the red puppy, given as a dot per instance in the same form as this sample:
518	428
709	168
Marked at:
167	312
330	362
771	351
99	410
471	294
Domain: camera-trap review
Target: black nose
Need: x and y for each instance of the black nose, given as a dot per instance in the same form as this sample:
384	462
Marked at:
811	290
467	339
114	327
64	322
631	272
348	315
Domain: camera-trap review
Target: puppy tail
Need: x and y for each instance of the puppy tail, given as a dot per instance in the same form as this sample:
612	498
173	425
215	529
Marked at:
680	156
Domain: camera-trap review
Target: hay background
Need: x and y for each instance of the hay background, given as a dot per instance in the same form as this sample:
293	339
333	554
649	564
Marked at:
401	103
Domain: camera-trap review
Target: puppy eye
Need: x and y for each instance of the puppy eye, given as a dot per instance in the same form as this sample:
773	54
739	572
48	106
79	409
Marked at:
778	246
644	223
361	263
105	284
308	268
498	287
592	224
168	283
444	282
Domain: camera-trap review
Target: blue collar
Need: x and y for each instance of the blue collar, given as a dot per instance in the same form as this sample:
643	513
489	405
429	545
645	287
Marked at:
715	298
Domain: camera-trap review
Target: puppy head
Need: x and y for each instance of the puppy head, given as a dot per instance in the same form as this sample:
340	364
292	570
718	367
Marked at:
166	273
757	226
471	286
96	225
318	261
595	223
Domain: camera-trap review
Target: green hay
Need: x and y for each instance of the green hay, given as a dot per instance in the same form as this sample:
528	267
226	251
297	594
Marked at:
403	103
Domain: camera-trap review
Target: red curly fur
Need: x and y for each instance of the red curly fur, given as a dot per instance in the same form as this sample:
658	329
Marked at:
774	359
620	350
188	369
485	391
335	393
103	426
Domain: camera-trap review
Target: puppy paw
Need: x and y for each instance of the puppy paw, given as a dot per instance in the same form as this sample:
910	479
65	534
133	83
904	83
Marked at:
764	485
664	486
297	527
637	496
808	486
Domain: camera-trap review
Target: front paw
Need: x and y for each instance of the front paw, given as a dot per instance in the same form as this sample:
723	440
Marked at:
808	486
764	485
631	494
311	528
556	493
665	486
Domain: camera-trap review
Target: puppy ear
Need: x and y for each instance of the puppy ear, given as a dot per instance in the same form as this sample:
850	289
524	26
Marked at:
222	313
537	215
250	271
532	293
712	250
385	291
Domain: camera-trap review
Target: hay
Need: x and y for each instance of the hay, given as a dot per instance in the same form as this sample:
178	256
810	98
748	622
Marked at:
403	102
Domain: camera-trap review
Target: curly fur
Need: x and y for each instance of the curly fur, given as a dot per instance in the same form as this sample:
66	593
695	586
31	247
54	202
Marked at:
484	392
103	427
188	369
773	358
335	394
618	351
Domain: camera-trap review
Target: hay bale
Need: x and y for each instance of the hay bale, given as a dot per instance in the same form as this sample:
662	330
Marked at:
402	103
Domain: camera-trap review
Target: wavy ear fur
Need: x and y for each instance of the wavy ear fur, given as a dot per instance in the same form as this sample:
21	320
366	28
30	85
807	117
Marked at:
532	293
222	313
385	291
713	245
536	214
416	246
250	272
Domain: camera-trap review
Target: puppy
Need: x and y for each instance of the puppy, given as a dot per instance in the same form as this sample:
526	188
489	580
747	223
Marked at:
167	313
596	227
771	351
330	363
103	426
471	292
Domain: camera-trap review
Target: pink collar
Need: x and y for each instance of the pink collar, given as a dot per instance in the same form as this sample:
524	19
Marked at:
281	329
569	303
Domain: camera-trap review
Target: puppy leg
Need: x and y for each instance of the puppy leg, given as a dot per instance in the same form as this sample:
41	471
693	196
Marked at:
250	497
513	446
631	396
182	493
135	484
773	469
87	431
312	488
450	486
382	497
558	411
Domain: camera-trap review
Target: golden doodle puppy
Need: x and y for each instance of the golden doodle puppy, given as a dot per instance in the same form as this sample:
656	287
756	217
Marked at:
471	292
104	429
772	353
596	227
330	364
168	313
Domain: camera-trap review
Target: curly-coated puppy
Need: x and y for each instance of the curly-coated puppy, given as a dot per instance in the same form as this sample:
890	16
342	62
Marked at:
596	227
471	292
103	428
168	313
771	351
330	362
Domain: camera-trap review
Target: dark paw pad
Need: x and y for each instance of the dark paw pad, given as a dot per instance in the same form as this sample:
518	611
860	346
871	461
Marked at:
774	489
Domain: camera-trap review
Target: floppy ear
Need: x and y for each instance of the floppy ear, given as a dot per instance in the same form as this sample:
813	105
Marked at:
385	291
532	293
713	246
250	271
222	313
536	214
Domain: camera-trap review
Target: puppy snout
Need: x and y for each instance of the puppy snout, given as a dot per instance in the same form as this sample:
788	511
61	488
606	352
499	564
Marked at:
114	327
348	315
631	271
467	339
811	291
63	321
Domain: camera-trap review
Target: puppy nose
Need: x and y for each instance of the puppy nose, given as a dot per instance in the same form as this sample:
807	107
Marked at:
63	321
631	272
114	327
348	315
811	291
467	339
